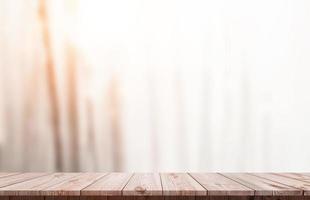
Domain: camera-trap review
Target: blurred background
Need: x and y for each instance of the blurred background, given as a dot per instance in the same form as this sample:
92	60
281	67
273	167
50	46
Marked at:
165	85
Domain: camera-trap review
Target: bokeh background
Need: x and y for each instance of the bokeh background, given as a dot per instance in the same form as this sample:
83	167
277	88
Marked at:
165	85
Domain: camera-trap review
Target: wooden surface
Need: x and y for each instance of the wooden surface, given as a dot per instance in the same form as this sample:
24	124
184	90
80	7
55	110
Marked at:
35	185
215	186
305	186
13	179
264	187
72	186
110	185
143	184
218	185
181	184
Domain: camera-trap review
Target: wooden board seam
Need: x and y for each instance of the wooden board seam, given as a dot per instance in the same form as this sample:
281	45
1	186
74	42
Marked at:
26	179
239	183
58	183
303	192
14	174
195	188
176	184
93	182
127	183
283	175
161	184
139	185
207	193
274	192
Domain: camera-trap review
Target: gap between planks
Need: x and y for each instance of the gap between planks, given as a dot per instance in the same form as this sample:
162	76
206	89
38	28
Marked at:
264	187
166	184
219	185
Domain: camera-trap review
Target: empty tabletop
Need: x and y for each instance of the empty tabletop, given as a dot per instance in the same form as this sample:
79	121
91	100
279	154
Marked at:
154	185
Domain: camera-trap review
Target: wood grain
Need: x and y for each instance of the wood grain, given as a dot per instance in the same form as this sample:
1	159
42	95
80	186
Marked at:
263	187
26	198
10	180
302	185
104	197
185	197
218	185
145	184
72	186
34	186
216	198
181	184
297	176
61	198
109	185
154	186
3	174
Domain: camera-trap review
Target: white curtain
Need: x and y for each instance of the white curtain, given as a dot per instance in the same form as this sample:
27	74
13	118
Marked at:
165	85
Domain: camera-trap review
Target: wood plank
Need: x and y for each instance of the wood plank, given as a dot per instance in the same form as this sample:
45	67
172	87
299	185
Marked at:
62	198
215	198
4	174
282	198
298	176
305	186
111	197
151	186
10	180
90	198
109	185
263	187
181	184
186	198
143	184
276	198
72	186
218	185
140	197
228	198
26	198
240	197
4	198
34	186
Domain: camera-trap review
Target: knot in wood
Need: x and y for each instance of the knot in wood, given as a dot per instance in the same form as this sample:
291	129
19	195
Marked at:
140	189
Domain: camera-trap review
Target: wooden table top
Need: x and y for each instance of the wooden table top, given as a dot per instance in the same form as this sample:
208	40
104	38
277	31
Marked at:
154	184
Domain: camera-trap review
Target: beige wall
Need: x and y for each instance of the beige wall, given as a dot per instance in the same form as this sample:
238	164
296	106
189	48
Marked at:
154	85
